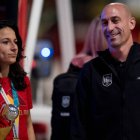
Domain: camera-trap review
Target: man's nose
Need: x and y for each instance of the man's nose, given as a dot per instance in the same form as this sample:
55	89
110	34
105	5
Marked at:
110	26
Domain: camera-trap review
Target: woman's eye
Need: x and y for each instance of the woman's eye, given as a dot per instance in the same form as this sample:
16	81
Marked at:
9	42
16	42
6	42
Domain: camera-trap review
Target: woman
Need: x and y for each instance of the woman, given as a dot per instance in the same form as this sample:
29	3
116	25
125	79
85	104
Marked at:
15	89
94	42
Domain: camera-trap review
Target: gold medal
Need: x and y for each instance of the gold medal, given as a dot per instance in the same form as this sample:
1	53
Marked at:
10	112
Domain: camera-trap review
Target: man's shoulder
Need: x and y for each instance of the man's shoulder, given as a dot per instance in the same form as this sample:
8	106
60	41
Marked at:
65	75
90	66
136	49
93	62
136	45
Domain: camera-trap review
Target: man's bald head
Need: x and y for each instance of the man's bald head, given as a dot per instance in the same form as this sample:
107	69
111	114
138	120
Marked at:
117	24
121	6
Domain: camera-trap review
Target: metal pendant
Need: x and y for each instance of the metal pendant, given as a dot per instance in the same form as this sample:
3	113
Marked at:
10	112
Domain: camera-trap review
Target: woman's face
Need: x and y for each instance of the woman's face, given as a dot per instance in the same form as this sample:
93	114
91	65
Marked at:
8	46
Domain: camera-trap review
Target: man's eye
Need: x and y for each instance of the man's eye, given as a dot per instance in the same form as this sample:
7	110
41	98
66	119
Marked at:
104	23
115	21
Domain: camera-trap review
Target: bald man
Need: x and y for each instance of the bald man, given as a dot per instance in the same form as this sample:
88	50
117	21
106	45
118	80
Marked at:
117	24
108	89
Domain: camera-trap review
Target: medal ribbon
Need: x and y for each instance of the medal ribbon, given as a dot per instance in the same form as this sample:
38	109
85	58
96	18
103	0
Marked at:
4	95
16	103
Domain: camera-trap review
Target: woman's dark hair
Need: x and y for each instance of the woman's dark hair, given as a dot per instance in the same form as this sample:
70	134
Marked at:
16	73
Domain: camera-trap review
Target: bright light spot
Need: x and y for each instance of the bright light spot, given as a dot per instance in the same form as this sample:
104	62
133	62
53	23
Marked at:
45	52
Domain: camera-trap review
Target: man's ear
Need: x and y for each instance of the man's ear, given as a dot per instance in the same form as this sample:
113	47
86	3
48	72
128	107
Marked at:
132	23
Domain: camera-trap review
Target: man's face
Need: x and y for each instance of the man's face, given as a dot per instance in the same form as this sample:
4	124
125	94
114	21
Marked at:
117	24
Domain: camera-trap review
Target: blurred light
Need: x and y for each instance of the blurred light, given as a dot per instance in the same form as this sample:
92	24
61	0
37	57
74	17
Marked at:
43	57
45	52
